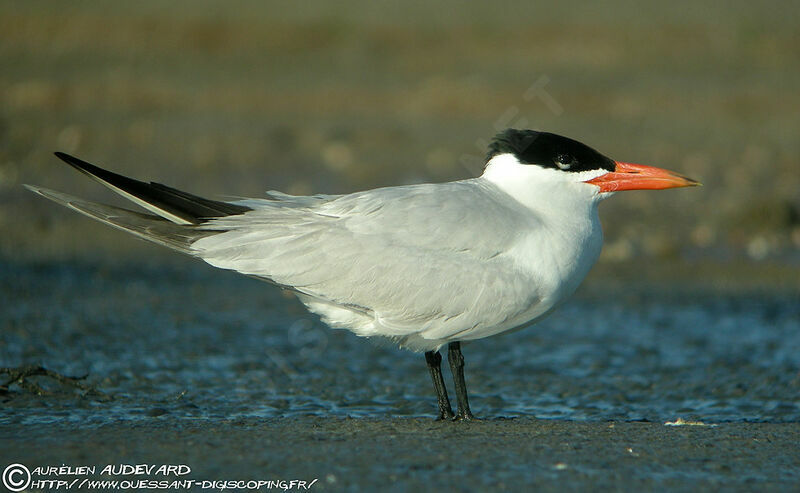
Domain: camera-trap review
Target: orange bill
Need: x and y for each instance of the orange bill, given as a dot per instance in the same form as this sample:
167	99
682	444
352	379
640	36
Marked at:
629	176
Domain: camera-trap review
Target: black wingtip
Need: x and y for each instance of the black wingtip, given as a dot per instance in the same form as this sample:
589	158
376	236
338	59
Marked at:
63	156
75	162
186	206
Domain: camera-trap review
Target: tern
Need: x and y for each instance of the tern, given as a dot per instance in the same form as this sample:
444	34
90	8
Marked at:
423	265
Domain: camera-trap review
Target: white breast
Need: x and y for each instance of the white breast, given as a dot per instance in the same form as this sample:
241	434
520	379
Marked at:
558	254
555	258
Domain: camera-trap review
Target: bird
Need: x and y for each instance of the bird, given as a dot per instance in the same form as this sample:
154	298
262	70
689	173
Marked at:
423	265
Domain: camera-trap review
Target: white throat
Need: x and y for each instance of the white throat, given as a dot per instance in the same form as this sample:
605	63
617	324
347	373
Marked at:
560	251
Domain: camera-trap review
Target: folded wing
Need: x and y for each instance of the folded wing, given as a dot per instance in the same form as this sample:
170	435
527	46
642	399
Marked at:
407	257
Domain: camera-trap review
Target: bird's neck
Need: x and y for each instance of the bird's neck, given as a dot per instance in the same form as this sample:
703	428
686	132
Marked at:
567	239
546	193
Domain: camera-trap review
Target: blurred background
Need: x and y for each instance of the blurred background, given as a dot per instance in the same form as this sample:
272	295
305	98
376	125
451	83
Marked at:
236	98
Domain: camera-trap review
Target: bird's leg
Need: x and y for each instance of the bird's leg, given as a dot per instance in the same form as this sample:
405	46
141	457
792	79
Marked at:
434	360
457	368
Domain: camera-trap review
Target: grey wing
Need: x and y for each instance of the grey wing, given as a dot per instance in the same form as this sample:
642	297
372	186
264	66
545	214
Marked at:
422	259
280	199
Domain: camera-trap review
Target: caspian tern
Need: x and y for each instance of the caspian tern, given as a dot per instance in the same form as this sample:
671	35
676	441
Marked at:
422	265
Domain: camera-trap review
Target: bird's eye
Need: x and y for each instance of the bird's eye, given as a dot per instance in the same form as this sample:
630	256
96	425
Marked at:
564	161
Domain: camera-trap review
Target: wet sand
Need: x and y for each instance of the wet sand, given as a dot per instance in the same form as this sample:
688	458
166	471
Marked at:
397	454
226	375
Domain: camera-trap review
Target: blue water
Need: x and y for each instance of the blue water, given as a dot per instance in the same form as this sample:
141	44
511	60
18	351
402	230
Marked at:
188	341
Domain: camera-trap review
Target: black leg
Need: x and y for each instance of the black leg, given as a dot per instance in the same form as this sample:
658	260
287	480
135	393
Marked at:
457	367
434	360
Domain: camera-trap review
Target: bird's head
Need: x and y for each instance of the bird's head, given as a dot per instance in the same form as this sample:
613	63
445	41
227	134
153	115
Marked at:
524	158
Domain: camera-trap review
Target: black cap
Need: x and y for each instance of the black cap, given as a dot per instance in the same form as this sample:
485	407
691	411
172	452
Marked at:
548	150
